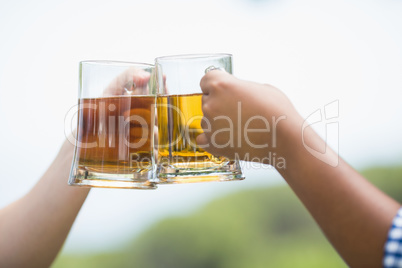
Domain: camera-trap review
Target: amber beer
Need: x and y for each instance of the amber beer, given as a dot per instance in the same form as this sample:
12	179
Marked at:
179	124
115	134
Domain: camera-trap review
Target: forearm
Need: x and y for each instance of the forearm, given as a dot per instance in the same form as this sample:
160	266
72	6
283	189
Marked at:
33	229
354	215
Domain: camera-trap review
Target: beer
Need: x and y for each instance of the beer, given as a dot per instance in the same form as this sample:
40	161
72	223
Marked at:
179	115
179	124
115	134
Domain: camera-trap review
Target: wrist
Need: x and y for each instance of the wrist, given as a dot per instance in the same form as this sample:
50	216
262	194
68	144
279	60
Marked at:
287	135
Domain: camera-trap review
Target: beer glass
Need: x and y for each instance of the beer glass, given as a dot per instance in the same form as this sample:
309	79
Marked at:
114	136
179	115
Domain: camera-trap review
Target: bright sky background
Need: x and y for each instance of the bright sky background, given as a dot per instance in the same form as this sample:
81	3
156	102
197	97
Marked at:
317	52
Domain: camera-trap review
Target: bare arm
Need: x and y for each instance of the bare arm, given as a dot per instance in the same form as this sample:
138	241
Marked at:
33	229
354	215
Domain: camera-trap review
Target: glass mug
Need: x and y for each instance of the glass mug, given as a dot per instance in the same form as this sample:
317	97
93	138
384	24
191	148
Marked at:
179	114
115	128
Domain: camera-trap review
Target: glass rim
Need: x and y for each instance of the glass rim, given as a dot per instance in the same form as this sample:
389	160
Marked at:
195	56
116	63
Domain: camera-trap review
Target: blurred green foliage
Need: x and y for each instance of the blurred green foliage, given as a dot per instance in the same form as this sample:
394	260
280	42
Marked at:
255	228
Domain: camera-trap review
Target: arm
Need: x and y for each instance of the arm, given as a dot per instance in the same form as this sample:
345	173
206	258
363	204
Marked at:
353	214
33	229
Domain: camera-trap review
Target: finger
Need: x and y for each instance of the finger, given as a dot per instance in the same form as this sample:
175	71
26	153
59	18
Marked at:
128	82
205	124
204	84
202	141
136	81
204	100
211	80
132	115
166	90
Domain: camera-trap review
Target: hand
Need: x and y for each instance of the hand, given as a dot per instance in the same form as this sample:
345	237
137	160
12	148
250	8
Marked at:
244	120
132	81
354	215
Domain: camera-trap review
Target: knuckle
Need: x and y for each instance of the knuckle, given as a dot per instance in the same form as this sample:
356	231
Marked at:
204	123
205	107
221	82
217	84
208	109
